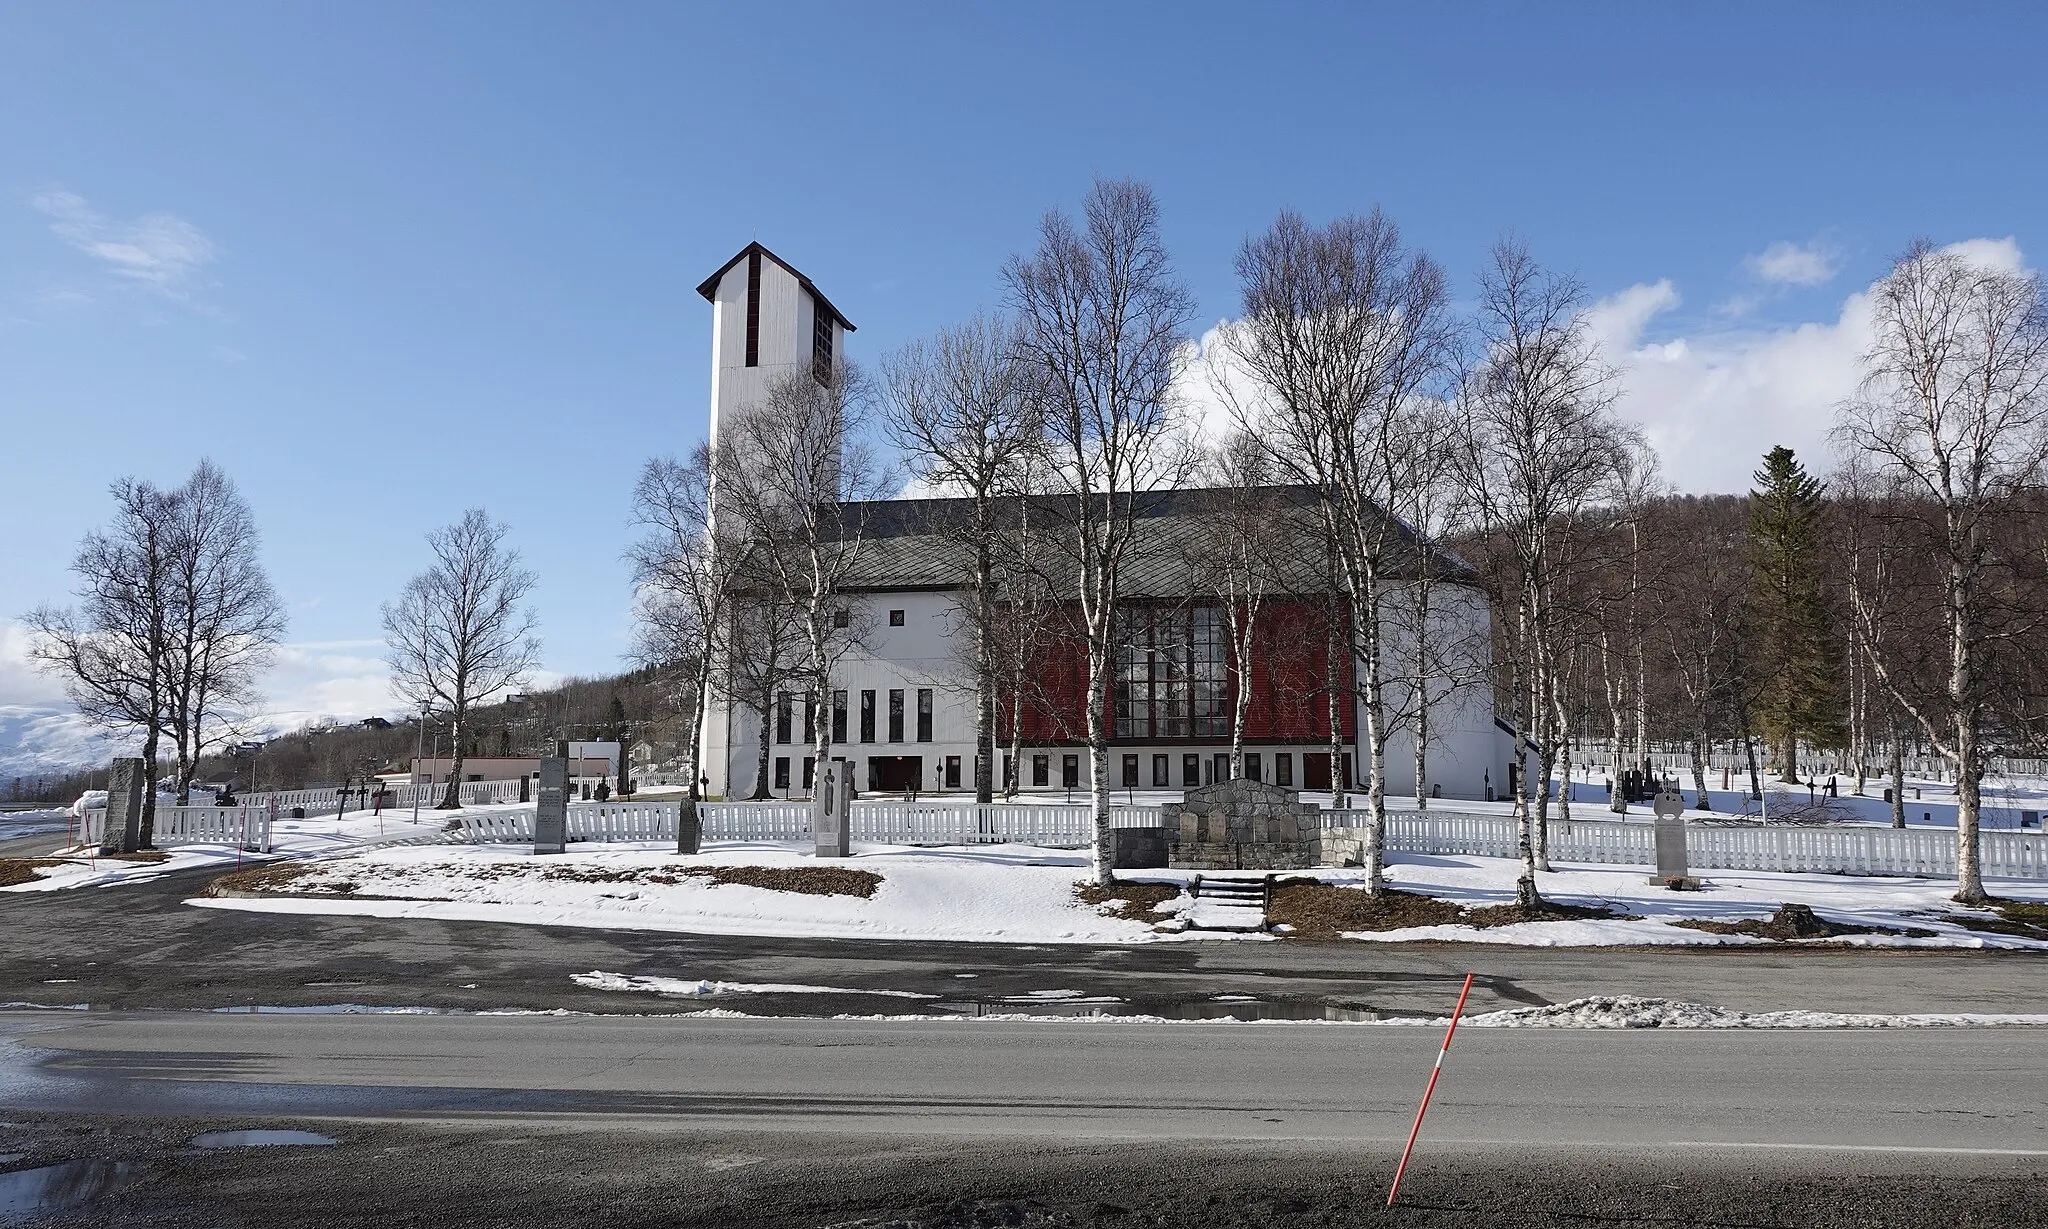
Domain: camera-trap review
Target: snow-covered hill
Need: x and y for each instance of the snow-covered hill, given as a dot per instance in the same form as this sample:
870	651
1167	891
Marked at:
51	739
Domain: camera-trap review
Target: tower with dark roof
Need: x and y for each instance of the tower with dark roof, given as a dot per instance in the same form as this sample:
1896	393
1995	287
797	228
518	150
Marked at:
769	321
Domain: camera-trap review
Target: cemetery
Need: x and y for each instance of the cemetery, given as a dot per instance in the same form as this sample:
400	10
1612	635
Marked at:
1209	864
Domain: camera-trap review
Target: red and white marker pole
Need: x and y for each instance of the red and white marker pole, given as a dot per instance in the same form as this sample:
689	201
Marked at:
1434	1072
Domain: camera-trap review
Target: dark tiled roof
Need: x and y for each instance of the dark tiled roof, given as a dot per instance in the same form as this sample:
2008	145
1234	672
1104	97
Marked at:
916	543
709	287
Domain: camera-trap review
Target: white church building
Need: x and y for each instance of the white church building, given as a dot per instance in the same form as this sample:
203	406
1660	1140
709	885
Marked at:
902	700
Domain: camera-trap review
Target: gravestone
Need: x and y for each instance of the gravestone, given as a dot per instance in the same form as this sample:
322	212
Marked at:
1671	868
689	829
551	806
125	786
831	810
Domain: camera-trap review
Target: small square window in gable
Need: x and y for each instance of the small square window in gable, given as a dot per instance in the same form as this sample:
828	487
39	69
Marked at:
841	618
895	618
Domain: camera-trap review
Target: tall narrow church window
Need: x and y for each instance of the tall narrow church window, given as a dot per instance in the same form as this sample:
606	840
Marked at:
821	342
754	309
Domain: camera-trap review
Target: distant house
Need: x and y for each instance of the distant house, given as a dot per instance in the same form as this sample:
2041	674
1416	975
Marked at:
375	723
505	768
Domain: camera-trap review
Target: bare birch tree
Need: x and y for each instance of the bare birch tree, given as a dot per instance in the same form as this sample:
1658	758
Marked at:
1541	440
1232	559
791	477
458	635
1954	408
1104	319
1443	655
965	412
226	619
1345	329
687	577
112	651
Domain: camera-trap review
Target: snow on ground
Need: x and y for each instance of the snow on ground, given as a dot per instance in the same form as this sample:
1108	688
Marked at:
700	988
1024	894
1628	1011
1006	893
323	836
1895	903
33	823
1929	803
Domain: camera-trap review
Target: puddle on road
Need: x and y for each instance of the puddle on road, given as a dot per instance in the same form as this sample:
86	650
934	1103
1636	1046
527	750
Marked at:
66	1185
335	1009
257	1139
1246	1010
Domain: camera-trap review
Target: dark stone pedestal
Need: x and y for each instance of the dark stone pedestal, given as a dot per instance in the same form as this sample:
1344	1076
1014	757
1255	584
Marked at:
1134	849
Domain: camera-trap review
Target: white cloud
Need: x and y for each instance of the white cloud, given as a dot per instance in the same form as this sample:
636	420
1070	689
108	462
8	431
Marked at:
159	251
1619	319
1790	264
1714	401
345	678
1214	386
20	681
340	678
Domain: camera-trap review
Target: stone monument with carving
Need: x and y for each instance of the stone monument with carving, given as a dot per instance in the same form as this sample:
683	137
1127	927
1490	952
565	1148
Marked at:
125	787
551	803
1669	805
832	810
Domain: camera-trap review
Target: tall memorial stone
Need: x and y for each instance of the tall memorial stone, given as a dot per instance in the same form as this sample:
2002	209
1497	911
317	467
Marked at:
689	828
1669	805
832	810
551	805
125	786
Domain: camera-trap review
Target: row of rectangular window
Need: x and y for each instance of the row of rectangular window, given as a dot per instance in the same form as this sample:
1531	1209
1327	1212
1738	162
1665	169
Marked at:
1191	769
950	775
785	703
1070	770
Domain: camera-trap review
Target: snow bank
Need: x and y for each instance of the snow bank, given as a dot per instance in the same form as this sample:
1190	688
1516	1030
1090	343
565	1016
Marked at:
1628	1011
700	988
1007	893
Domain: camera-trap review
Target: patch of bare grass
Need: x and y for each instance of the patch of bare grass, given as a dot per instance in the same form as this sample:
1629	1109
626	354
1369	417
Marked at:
803	880
1549	911
15	871
2007	924
1130	902
2023	911
277	878
289	879
1327	911
137	855
1794	921
1317	910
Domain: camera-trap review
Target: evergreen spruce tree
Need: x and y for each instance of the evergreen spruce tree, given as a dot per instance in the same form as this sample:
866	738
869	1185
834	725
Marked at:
1799	697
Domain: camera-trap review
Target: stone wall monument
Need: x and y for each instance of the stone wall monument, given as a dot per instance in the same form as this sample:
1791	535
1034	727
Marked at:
1243	825
551	804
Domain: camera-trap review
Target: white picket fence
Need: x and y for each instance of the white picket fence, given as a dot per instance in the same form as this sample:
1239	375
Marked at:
329	801
587	821
246	827
1677	761
885	823
1845	849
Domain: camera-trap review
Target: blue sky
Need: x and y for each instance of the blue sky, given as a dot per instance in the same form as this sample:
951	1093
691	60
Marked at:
384	262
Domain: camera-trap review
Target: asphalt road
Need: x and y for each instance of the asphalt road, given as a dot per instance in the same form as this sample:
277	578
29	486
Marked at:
642	1121
138	946
1963	1088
